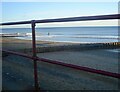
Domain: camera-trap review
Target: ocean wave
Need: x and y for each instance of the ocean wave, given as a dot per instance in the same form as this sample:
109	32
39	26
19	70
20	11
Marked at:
28	34
39	35
97	37
69	36
84	36
48	36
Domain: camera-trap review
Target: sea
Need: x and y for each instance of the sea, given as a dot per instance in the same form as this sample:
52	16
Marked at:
69	34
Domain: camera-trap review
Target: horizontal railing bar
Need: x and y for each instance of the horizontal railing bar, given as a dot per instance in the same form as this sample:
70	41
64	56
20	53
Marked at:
116	75
16	23
85	18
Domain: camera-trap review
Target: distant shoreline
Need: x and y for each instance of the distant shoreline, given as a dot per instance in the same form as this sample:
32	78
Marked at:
64	27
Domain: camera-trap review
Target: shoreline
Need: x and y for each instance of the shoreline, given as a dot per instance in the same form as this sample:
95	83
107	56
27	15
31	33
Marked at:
55	76
10	43
81	38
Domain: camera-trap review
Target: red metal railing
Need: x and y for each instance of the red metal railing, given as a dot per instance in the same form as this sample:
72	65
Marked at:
35	58
67	65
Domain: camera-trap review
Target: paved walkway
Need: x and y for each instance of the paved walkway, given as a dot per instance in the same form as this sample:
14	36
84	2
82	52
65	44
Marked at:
18	72
97	59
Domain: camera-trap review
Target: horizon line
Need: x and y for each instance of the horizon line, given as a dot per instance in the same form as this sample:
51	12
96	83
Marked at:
62	27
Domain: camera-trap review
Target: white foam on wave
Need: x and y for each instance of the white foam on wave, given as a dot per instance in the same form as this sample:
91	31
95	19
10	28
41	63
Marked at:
28	34
97	37
49	36
68	41
70	36
52	40
44	36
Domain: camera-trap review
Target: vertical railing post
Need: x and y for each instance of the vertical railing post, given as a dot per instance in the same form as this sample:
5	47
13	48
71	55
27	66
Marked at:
34	55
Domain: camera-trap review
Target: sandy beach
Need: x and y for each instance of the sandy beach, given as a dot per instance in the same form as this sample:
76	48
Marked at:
25	46
18	70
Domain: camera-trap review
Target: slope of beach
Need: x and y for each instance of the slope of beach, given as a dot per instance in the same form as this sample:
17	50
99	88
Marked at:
18	71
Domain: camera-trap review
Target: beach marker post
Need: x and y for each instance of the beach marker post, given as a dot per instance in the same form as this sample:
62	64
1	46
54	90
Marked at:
34	55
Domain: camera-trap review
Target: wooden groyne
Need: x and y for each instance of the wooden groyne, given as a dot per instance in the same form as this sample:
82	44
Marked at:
12	35
89	46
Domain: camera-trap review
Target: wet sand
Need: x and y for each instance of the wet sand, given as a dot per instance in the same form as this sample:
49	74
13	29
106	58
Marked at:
13	43
25	46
